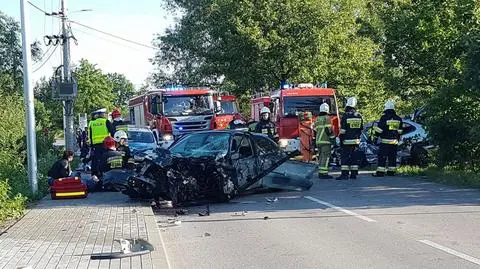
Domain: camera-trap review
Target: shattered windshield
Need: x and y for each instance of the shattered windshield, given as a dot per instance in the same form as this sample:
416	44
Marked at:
294	105
187	105
202	144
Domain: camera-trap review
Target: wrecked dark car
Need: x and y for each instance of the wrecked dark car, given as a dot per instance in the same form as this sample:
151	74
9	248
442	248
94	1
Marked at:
209	165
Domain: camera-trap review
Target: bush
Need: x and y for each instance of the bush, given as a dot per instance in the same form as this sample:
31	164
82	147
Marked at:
10	206
447	175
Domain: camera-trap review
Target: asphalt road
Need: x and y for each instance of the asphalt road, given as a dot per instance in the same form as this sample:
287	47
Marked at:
367	223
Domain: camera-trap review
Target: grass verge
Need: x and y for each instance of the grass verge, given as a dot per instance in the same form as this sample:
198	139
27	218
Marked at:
448	175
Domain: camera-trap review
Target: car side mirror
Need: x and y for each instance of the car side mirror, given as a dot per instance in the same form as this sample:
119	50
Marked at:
235	156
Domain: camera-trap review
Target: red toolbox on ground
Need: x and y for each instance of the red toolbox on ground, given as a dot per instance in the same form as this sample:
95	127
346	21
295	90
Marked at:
68	187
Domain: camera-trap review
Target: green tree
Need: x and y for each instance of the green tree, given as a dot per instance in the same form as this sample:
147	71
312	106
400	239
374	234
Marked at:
256	44
123	89
95	90
431	54
11	54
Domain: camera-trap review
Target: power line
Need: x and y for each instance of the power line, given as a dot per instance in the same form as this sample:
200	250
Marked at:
105	39
45	53
112	35
49	56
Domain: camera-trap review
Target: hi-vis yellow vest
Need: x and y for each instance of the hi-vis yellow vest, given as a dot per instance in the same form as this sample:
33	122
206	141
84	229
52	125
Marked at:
99	130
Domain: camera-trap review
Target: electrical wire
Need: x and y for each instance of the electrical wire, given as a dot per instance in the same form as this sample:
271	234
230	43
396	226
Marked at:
112	35
45	53
102	38
49	56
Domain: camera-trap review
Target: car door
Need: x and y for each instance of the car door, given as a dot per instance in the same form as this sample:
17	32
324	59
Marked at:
244	160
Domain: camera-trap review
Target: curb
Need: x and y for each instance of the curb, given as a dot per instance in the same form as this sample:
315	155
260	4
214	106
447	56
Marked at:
159	255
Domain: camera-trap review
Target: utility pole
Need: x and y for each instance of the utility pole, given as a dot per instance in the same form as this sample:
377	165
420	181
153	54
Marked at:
29	98
68	104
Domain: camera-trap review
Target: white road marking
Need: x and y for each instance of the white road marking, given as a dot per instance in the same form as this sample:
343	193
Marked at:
346	211
451	251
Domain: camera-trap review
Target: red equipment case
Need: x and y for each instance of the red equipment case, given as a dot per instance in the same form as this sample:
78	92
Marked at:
68	187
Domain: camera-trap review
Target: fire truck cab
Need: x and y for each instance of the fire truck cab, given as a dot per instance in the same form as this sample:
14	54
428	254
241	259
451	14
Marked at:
173	112
287	103
226	109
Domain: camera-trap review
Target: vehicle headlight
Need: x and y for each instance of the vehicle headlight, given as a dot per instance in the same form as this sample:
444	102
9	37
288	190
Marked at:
283	142
167	137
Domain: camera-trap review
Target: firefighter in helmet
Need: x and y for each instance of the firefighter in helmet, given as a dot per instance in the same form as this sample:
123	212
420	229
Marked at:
323	139
237	123
121	140
352	125
389	129
118	123
110	159
265	125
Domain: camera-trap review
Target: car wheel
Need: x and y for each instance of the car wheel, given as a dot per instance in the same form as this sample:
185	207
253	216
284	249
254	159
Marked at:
420	157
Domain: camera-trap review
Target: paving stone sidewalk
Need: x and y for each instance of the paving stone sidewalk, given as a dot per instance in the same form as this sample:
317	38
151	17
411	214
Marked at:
63	234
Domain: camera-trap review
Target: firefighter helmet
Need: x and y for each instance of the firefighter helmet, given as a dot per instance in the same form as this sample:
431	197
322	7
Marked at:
351	102
265	110
324	108
390	105
109	143
116	113
119	135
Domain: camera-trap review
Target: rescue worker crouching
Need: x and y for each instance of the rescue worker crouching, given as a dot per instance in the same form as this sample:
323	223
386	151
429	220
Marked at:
323	138
118	123
99	128
389	129
350	132
237	123
61	168
110	159
265	125
121	140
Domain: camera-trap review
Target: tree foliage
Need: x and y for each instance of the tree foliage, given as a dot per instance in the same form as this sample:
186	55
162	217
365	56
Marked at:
123	89
257	44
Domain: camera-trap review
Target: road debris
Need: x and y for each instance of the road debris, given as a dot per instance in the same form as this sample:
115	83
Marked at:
238	214
265	218
129	248
271	199
206	213
207	234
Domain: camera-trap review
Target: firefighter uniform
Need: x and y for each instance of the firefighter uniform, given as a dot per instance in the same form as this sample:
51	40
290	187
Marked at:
119	125
324	135
350	132
99	129
389	129
265	126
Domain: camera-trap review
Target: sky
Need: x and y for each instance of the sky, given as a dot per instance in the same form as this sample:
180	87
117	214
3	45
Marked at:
136	20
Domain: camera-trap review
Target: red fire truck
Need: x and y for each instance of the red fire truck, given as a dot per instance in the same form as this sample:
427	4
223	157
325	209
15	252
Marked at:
227	108
286	104
173	112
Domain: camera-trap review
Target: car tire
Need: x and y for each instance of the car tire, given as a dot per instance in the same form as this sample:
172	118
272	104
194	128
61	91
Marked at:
419	156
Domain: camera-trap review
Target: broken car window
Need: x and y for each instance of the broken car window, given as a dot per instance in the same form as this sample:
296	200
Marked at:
202	144
241	144
264	145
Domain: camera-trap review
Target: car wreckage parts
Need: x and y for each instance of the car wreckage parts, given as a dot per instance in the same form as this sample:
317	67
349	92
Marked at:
181	180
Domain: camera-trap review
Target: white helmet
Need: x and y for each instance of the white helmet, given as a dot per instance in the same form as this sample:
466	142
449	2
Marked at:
119	135
324	108
390	105
265	110
352	102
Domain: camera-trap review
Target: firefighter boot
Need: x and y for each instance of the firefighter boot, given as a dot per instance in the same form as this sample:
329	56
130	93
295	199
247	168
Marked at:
379	174
343	176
